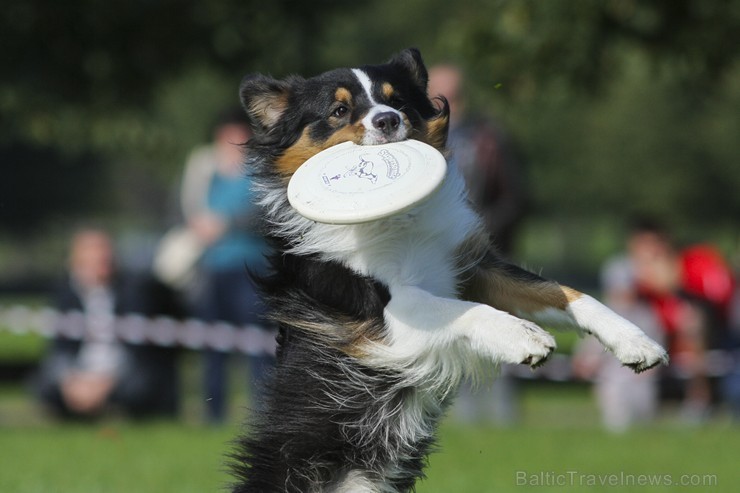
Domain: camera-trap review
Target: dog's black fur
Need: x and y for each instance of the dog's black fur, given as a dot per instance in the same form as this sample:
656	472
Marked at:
311	431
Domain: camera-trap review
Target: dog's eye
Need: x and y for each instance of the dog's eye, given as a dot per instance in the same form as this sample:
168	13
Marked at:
339	111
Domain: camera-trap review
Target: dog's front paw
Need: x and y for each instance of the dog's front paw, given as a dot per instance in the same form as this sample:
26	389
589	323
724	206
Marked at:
628	343
509	339
640	353
535	345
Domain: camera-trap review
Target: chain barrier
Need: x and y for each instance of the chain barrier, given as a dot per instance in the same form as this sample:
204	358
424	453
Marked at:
137	329
248	339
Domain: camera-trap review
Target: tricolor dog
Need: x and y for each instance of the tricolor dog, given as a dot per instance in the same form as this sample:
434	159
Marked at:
380	321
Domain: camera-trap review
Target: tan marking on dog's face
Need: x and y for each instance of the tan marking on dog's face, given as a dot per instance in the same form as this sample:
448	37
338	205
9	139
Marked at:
436	134
387	90
296	155
350	133
305	147
434	131
343	94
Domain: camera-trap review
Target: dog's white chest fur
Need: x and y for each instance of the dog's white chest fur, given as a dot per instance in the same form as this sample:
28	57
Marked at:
415	248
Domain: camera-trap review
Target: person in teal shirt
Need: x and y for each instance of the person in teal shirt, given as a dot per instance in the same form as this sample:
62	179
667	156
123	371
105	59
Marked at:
218	205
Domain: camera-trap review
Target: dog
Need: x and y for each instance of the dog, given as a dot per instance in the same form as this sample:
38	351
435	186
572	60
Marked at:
379	322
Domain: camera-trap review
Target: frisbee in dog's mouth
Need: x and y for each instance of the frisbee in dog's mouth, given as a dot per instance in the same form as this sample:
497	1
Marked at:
350	183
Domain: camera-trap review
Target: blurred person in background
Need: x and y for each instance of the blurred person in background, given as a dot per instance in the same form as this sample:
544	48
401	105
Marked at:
487	158
731	381
492	169
691	291
686	293
218	207
99	373
624	398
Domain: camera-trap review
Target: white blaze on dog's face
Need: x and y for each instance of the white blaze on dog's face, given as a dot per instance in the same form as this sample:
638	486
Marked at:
375	104
382	123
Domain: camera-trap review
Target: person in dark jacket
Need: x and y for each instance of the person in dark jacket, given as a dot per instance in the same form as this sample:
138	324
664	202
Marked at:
99	373
493	169
488	159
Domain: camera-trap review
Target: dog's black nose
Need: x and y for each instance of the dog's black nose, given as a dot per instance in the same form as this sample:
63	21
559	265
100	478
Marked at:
387	121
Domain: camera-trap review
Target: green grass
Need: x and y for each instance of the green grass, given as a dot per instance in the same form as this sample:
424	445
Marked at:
558	435
153	457
163	457
20	348
566	460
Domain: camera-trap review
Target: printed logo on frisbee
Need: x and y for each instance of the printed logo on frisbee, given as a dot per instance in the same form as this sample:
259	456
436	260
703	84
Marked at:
369	171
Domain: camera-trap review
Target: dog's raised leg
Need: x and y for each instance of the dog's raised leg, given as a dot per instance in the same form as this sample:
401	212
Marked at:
423	325
517	291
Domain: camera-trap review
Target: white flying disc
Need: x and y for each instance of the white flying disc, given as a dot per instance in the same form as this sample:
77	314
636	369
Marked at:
350	183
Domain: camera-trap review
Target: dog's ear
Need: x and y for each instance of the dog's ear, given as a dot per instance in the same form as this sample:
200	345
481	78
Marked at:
265	100
410	61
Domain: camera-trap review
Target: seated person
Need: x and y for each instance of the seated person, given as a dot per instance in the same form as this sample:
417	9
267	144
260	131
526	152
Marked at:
99	373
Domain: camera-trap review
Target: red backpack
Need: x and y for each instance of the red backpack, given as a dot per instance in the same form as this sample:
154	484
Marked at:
705	274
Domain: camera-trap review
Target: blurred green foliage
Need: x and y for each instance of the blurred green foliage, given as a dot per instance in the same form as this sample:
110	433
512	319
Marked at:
621	106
